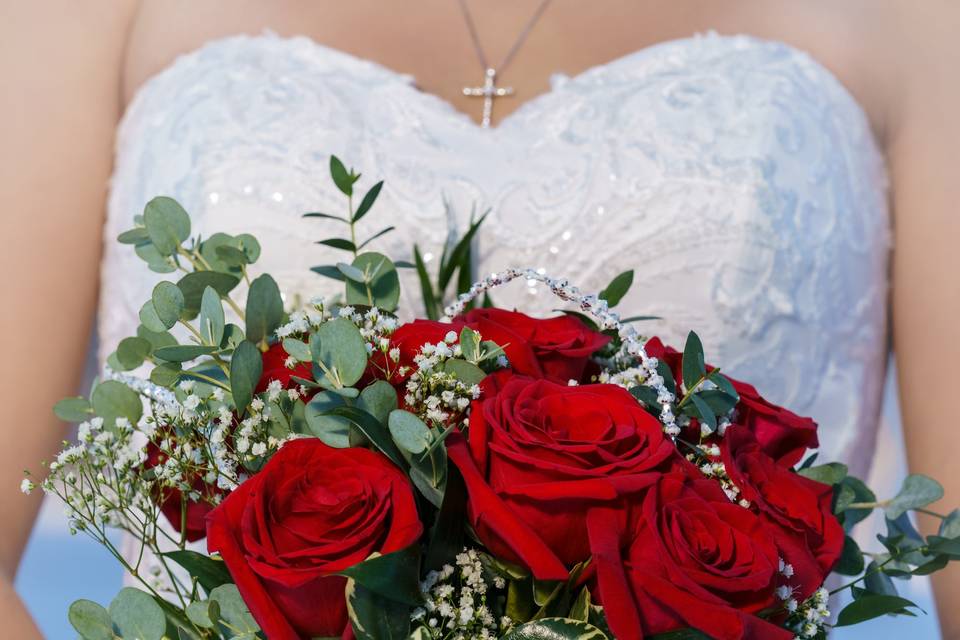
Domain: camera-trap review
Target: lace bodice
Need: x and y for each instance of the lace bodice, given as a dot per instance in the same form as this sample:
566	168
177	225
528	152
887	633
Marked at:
736	176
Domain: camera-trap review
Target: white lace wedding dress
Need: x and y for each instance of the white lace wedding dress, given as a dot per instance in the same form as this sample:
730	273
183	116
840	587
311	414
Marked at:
736	176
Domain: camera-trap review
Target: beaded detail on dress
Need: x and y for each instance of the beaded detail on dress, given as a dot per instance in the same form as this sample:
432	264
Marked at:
736	176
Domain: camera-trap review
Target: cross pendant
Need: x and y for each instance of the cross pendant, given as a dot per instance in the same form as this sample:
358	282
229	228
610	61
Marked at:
488	92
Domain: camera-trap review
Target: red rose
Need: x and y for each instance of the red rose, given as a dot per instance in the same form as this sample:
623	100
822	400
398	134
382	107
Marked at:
275	368
311	511
540	453
557	348
687	557
191	522
797	509
409	338
782	434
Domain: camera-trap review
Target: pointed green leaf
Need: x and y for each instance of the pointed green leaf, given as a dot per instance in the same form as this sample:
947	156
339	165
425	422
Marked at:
183	352
327	216
212	321
693	365
341	177
617	288
338	243
368	199
426	288
869	607
209	572
394	576
246	366
329	271
351	272
264	311
374	617
378	234
137	235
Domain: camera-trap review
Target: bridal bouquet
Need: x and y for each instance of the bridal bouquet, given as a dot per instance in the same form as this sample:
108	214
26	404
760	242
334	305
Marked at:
484	474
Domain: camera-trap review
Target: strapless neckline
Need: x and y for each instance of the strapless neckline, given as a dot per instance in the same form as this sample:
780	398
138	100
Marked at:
559	82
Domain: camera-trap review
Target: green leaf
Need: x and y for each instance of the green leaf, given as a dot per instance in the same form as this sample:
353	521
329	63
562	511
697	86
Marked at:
246	367
917	491
167	224
617	288
681	634
194	284
351	272
830	473
378	399
869	607
210	573
112	400
580	609
382	283
91	621
426	288
157	262
704	412
851	559
212	321
466	372
862	494
331	430
373	430
150	319
664	370
341	177
876	581
131	352
395	576
204	614
137	235
378	234
338	243
470	344
329	271
156	339
168	303
556	629
944	546
693	365
368	199
235	612
73	409
166	375
264	308
457	255
341	348
646	395
137	615
950	526
374	617
298	349
409	431
250	246
232	336
328	216
232	257
183	352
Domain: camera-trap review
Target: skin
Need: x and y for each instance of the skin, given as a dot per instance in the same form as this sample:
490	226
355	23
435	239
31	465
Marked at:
57	129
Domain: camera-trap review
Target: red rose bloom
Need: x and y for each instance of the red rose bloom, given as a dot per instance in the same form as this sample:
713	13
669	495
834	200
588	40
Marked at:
797	510
558	349
191	522
782	434
540	454
409	338
275	368
687	557
311	511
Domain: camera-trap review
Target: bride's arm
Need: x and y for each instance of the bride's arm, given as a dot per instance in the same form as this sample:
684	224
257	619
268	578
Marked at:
924	149
60	68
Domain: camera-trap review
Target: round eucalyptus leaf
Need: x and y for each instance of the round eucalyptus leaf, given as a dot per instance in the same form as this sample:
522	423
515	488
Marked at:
409	431
212	321
341	348
234	610
381	286
150	319
231	256
204	614
166	375
556	629
155	261
91	621
210	251
264	308
298	349
232	336
379	399
131	352
73	409
112	400
249	245
156	339
167	303
246	367
183	352
194	284
333	431
167	224
137	615
465	372
137	235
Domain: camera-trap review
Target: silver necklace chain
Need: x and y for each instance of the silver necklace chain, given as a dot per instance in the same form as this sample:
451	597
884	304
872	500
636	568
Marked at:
490	91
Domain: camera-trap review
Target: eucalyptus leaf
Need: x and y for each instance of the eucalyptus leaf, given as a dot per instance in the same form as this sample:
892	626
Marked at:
156	339
73	409
374	432
137	615
470	344
704	412
342	350
194	284
329	271
382	283
264	308
112	400
466	372
378	399
693	366
209	572
298	349
338	243
556	629
212	321
167	224
183	352
150	319
246	367
90	620
204	614
617	288
917	491
378	234
341	177
368	199
830	473
166	375
351	272
333	431
869	607
250	247
394	576
231	256
409	432
131	352
374	617
137	235
168	303
235	611
154	259
851	559
426	288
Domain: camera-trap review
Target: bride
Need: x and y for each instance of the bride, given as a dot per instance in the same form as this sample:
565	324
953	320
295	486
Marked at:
744	178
